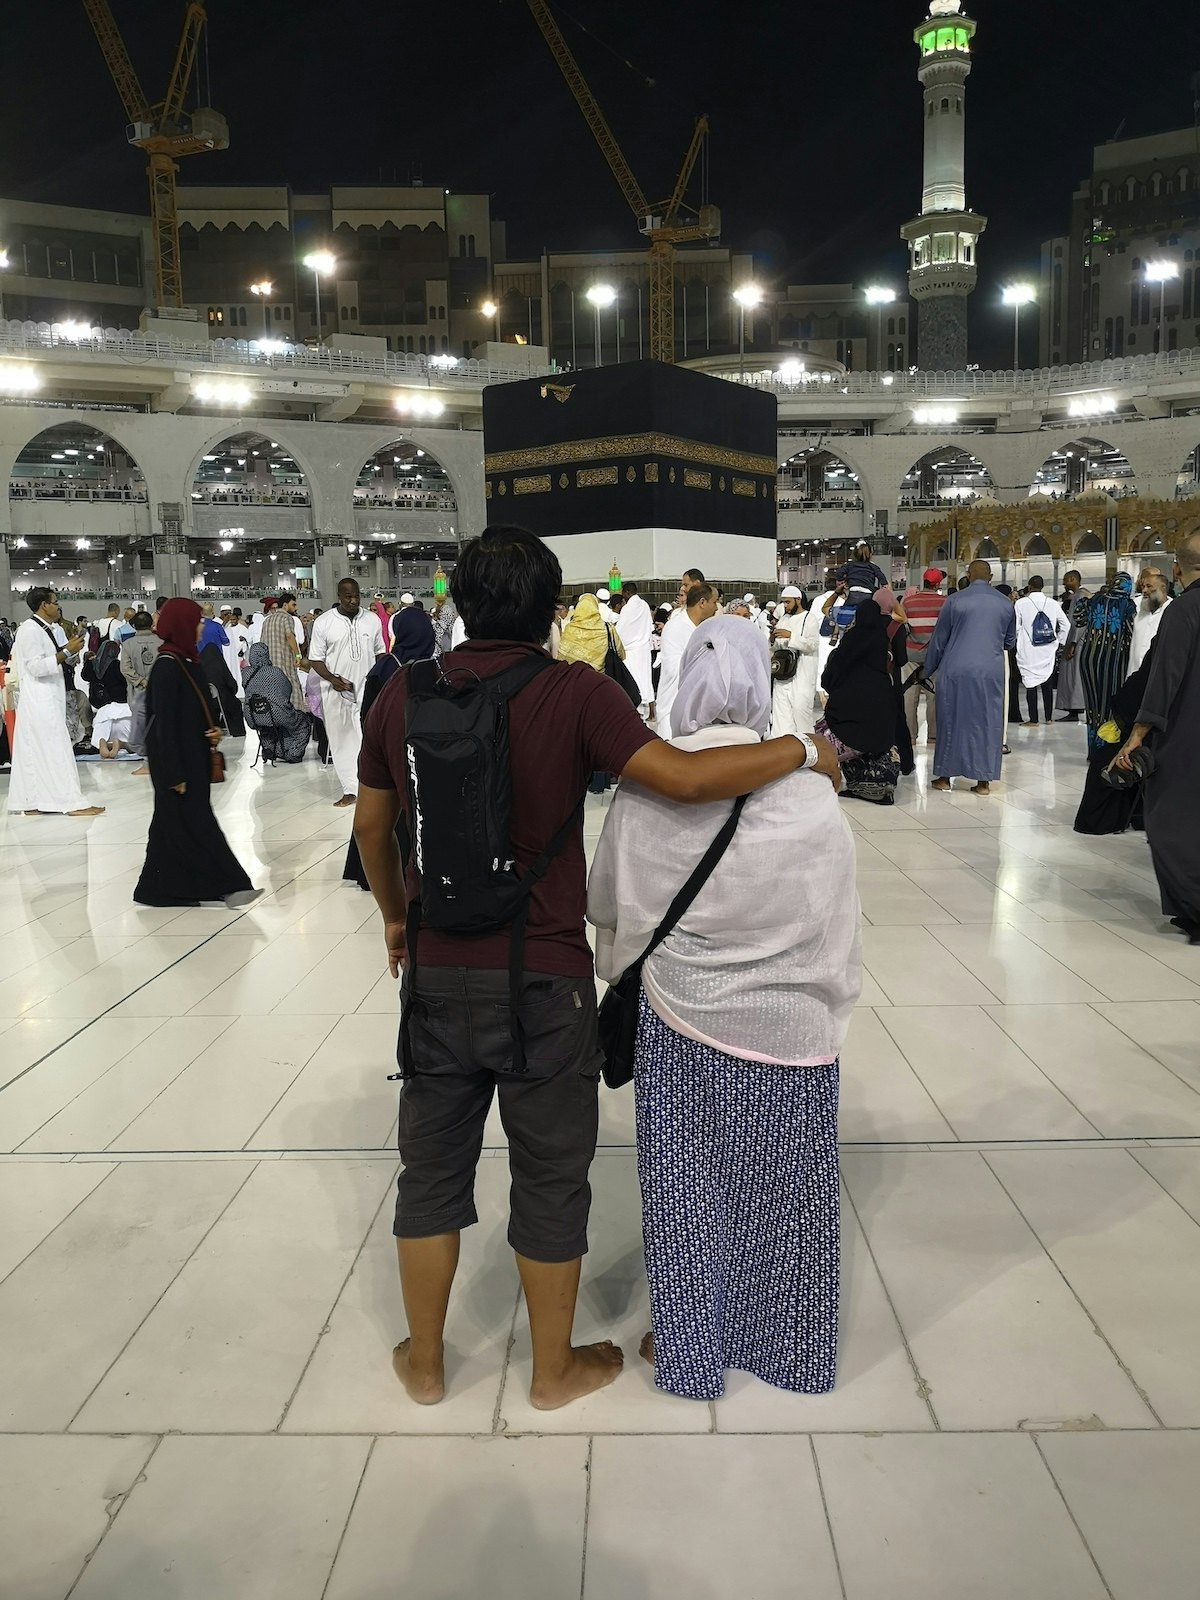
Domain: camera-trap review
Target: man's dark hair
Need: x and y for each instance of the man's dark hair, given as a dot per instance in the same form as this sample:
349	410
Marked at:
1037	583
343	583
693	575
35	599
629	588
160	601
1072	572
285	597
617	603
237	611
700	591
142	621
505	585
114	610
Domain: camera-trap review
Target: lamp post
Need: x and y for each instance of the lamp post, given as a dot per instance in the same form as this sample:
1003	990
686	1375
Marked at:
600	295
320	263
1161	273
748	295
490	308
879	297
262	291
1016	296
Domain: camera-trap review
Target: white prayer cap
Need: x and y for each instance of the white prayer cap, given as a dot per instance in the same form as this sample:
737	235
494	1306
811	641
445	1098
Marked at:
747	597
790	593
601	594
227	606
408	599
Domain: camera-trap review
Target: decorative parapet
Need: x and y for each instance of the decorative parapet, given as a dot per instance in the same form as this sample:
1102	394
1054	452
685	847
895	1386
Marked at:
1065	526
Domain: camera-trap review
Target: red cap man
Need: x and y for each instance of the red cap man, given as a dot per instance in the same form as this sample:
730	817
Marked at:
932	576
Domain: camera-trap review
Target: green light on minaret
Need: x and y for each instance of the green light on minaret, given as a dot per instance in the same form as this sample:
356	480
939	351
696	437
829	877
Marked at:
935	39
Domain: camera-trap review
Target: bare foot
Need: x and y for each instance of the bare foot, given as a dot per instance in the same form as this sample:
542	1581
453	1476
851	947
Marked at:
140	772
347	800
425	1386
592	1367
646	1349
88	811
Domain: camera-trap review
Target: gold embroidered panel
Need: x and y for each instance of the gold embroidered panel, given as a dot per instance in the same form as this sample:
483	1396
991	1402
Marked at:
631	444
538	485
595	477
696	480
745	486
650	472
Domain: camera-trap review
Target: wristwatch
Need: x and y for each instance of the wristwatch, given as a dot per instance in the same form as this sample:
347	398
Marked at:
811	754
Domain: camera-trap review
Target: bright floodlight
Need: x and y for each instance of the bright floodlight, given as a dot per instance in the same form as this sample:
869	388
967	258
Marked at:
601	295
1161	271
320	261
748	295
878	296
489	308
1018	294
264	288
3	260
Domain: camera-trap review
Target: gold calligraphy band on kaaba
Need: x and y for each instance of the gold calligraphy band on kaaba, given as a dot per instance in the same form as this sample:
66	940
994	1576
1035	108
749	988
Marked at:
576	451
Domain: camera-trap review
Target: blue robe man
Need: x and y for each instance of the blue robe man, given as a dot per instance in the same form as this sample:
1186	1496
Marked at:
974	629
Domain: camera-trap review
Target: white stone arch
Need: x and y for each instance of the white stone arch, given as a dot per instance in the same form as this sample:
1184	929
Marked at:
32	423
957	445
230	427
405	436
822	447
1074	442
459	453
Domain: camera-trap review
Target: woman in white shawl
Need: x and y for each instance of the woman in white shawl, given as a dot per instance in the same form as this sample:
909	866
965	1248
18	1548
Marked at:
743	1013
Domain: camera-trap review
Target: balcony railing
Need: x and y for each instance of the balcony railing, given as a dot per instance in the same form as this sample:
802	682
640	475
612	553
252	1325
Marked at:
251	497
55	489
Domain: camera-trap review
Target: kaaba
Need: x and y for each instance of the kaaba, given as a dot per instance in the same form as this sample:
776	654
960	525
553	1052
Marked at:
652	466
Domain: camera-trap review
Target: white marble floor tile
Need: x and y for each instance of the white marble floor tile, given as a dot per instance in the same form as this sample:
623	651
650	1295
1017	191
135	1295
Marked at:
1124	1092
984	1086
1160	940
882	1100
25	1041
613	1304
35	1196
174	992
342	979
342	1098
876	1387
996	1334
1130	1253
349	1386
754	1516
69	1309
1117	968
57	1495
910	961
890	899
73	1065
115	978
940	1517
1179	1173
967	895
268	975
258	1519
1167	1030
497	1517
224	1348
1012	966
1133	1496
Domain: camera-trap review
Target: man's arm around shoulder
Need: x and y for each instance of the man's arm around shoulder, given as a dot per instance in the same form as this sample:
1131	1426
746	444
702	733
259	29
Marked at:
695	776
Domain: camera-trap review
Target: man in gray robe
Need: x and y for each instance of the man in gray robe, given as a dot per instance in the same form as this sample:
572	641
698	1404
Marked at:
1171	712
1069	695
974	629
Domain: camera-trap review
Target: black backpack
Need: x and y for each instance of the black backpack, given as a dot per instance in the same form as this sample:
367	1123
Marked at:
459	818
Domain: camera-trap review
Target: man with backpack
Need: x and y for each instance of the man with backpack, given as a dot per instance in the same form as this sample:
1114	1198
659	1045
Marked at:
1042	627
469	823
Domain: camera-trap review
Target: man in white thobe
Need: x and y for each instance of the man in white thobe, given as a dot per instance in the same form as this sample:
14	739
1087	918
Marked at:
1042	630
44	774
345	642
793	701
237	650
1154	601
681	624
635	625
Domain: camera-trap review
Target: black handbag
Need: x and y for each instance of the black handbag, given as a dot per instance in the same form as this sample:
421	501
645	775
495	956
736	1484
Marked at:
783	665
616	669
617	1017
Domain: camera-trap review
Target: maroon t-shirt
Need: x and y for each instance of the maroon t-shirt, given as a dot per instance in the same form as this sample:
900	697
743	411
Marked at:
569	722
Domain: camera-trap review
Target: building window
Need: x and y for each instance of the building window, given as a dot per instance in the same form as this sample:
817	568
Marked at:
1156	179
462	244
345	313
287	313
946	105
1108	338
1130	188
1188	281
891	325
958	106
1185	180
445	342
929	109
1119	341
1172	338
1105	195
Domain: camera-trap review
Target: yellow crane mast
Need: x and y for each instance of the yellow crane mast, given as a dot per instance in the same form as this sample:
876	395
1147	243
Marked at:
664	225
163	130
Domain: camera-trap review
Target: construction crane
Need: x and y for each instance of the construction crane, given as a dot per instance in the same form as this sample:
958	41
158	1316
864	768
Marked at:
665	225
163	130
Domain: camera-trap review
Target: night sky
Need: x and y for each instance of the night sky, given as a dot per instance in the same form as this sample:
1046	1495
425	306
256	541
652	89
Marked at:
815	152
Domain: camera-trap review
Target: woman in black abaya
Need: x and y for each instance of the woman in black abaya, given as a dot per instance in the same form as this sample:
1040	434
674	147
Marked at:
187	857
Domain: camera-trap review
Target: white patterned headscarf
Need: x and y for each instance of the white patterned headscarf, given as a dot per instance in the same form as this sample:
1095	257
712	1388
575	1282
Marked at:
725	676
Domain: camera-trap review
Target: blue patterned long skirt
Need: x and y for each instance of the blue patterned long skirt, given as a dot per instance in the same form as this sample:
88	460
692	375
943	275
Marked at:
740	1210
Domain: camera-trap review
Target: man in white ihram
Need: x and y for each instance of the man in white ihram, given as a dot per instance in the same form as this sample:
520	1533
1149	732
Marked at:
701	603
345	642
635	626
44	774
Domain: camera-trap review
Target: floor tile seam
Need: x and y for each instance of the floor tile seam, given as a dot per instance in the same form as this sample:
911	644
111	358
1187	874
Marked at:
1122	1365
1137	1043
139	987
587	1512
111	1518
1067	1507
837	1555
1092	923
300	1070
174	1278
923	1388
303	978
1000	999
590	1430
499	1426
346	1525
913	1068
161	1023
1150	1173
333	1305
49	1235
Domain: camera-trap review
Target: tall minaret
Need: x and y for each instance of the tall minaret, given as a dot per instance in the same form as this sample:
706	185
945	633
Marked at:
943	240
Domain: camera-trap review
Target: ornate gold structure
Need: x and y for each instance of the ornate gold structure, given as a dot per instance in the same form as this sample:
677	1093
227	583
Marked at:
1068	527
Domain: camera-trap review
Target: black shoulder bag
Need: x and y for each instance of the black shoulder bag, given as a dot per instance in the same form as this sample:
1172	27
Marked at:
617	1018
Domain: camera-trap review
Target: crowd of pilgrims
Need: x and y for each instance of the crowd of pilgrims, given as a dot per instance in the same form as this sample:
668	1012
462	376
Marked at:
738	1164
